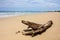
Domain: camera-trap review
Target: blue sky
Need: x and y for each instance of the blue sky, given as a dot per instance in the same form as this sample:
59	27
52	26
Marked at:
29	5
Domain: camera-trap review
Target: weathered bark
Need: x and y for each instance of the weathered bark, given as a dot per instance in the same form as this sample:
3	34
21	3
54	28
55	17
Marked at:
41	29
27	30
31	24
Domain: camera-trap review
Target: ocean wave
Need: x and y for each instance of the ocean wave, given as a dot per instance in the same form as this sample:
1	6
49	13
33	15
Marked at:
9	14
4	16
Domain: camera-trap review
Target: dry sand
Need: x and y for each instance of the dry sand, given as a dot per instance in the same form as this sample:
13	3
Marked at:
9	27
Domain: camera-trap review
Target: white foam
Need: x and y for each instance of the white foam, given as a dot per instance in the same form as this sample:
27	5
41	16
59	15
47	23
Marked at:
10	14
3	15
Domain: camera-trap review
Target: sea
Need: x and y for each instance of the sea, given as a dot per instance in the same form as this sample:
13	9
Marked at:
4	14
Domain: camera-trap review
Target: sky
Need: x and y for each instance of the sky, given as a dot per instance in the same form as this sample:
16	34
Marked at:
29	5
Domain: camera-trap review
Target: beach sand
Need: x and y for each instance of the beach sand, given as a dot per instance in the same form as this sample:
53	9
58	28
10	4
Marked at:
9	26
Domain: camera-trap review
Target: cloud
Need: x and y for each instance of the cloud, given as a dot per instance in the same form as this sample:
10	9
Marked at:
33	4
45	3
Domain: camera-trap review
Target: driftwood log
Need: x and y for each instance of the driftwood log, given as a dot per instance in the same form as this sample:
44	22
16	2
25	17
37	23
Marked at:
32	25
36	29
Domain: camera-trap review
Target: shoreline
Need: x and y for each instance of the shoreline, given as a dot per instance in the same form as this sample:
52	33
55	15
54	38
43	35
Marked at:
22	14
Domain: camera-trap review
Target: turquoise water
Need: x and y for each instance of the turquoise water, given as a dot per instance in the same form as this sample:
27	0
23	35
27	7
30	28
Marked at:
8	14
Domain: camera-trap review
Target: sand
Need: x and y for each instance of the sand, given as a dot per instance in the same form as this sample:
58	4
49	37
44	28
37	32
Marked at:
9	26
